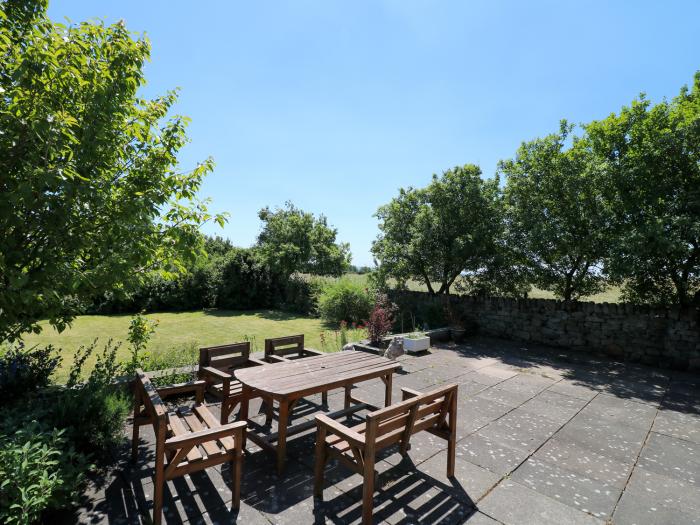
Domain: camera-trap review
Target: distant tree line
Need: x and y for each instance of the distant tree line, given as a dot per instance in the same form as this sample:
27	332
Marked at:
617	204
265	275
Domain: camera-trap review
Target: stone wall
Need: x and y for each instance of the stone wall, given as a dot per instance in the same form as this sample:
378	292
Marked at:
668	338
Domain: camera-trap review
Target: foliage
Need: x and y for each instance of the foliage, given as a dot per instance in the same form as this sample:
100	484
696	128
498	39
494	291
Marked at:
92	411
381	318
293	240
436	233
24	371
344	300
244	280
39	470
301	293
140	332
334	340
92	195
651	156
556	215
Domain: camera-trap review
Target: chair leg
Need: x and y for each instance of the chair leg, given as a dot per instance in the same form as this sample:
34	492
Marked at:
236	467
135	436
320	464
159	481
268	411
324	399
368	491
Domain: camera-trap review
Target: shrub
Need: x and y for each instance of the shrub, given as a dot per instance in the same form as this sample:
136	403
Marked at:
23	371
301	293
92	412
344	300
381	319
244	282
39	470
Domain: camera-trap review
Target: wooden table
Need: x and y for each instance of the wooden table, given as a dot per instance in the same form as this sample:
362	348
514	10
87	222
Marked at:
290	381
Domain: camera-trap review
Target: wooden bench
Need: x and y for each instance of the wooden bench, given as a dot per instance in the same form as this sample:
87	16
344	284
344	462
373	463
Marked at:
187	439
216	367
356	447
281	349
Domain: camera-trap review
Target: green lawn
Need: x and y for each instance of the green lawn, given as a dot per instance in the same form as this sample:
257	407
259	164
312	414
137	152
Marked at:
187	328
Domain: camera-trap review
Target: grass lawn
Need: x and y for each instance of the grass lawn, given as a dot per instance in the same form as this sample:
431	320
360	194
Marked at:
177	329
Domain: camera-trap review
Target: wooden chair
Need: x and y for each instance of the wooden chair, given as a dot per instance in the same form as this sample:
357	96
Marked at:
356	447
187	439
216	367
280	349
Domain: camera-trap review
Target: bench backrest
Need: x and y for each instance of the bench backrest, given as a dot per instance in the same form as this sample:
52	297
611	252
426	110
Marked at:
397	423
225	357
147	395
284	346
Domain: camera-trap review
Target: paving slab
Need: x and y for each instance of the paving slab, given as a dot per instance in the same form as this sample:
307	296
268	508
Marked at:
651	498
490	454
514	504
579	460
557	407
681	425
585	494
671	457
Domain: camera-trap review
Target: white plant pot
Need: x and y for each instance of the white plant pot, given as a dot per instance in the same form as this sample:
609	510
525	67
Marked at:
412	346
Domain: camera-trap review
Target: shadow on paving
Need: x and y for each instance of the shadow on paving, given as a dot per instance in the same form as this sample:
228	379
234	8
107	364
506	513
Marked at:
601	374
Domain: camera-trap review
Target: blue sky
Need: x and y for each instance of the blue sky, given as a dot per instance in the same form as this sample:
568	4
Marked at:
335	105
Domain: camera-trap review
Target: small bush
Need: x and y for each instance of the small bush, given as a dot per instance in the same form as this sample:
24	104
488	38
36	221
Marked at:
381	319
23	371
39	470
92	412
344	300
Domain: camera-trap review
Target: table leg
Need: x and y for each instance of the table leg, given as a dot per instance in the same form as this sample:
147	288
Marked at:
348	396
283	420
243	414
387	394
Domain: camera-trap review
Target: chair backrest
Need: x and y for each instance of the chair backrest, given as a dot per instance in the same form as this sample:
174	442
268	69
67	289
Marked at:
284	346
225	357
148	396
397	423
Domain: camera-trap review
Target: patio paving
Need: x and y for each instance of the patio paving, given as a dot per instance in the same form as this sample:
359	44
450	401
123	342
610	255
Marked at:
544	437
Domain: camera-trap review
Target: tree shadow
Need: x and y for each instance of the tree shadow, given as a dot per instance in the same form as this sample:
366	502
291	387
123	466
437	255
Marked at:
677	390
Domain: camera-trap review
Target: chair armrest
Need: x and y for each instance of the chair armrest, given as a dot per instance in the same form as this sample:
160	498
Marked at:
214	373
171	390
312	351
341	430
256	362
407	393
203	436
276	359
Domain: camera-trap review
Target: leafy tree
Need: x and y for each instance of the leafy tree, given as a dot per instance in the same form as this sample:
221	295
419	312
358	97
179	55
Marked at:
293	240
652	158
92	197
555	214
434	234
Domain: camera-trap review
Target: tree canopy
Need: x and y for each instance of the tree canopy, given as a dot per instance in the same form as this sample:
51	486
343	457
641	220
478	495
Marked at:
651	155
555	214
436	233
293	240
92	195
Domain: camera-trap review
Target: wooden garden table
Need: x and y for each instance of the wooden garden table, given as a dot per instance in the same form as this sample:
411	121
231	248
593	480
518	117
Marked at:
292	380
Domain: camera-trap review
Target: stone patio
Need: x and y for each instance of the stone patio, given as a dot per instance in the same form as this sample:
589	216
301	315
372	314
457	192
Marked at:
544	437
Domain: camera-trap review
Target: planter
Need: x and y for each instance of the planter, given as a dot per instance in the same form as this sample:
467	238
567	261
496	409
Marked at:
458	334
419	344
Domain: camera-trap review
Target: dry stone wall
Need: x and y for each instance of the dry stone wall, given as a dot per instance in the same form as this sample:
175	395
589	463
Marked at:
668	338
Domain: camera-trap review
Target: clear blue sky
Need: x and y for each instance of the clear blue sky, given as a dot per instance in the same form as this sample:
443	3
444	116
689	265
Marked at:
335	105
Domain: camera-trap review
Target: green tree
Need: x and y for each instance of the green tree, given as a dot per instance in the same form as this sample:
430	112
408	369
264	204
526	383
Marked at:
555	214
437	233
92	197
651	154
293	240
